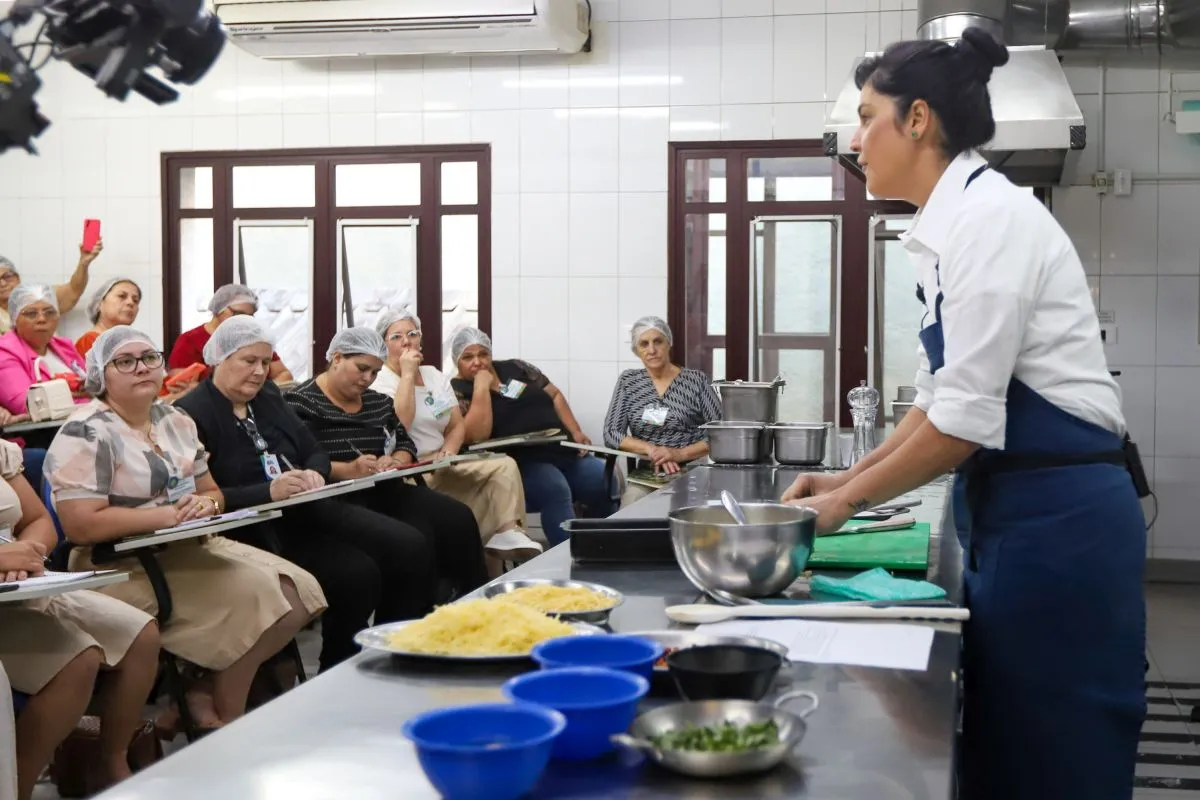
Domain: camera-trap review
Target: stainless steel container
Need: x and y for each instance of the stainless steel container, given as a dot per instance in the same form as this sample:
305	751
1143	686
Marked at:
791	725
800	443
737	442
597	616
906	394
899	410
759	559
746	401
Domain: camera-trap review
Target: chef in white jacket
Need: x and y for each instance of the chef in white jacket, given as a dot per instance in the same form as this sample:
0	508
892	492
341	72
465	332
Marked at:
1013	393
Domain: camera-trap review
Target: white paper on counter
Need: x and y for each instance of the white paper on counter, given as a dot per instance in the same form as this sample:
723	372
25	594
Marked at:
887	646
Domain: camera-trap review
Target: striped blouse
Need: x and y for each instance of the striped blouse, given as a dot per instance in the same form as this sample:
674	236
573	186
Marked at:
637	410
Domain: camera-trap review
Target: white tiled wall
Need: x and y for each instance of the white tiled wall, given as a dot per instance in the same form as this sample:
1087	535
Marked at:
580	180
579	153
1144	253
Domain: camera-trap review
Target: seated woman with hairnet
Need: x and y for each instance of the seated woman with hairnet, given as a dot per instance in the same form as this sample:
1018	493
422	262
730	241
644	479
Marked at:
359	430
55	648
425	404
507	398
657	411
259	451
115	303
125	464
231	300
32	352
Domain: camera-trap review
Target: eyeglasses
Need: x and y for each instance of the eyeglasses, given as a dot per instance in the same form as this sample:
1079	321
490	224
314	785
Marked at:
411	336
33	315
10	277
127	364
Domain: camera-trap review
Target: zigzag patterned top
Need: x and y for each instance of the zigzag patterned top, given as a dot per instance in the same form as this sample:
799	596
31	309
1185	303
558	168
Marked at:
690	401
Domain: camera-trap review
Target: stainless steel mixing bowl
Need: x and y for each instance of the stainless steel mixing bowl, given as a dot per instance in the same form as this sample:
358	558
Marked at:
759	559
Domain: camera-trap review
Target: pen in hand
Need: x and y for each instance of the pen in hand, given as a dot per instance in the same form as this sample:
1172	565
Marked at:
287	463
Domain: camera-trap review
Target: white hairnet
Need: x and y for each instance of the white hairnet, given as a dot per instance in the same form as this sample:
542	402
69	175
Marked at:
93	308
102	351
232	335
467	337
355	342
6	266
392	315
231	294
28	293
650	323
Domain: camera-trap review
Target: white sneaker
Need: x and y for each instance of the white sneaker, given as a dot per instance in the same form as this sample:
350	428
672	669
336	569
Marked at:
513	545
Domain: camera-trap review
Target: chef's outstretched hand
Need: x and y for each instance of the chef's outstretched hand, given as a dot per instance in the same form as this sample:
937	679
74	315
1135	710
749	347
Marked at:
811	484
832	511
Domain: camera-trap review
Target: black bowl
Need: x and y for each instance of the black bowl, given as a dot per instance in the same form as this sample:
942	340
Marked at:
724	671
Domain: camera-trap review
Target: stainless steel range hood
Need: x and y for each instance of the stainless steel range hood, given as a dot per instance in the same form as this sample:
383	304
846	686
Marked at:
1039	127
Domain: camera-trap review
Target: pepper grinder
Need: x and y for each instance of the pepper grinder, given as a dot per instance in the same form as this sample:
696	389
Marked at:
864	406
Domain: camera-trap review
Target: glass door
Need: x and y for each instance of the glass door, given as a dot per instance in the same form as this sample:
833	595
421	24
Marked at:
794	318
377	268
275	259
895	315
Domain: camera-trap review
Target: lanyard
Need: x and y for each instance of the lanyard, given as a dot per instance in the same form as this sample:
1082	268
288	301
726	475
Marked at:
248	425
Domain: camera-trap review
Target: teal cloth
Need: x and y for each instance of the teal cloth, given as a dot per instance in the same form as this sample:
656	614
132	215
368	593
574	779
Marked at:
876	584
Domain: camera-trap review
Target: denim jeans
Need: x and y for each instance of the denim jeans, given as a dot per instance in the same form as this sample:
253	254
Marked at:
552	489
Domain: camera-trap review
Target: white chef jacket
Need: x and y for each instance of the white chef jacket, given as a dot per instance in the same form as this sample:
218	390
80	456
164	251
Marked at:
1016	305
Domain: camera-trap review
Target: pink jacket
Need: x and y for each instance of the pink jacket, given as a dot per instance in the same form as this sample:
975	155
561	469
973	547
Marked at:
18	363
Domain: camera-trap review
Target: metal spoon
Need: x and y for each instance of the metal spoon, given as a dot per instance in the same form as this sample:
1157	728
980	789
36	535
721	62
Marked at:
700	614
733	507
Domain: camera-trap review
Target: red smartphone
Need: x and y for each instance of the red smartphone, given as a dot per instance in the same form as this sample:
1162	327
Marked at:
91	234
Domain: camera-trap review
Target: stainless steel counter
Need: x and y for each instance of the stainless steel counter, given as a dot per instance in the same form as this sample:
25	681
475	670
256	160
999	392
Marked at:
878	735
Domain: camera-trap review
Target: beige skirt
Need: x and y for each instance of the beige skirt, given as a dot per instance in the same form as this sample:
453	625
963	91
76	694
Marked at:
491	488
224	595
43	636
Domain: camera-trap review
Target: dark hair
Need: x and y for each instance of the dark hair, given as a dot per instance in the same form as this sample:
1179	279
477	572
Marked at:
952	79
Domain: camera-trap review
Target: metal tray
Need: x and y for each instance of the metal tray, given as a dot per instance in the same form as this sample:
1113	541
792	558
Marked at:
598	616
683	639
377	639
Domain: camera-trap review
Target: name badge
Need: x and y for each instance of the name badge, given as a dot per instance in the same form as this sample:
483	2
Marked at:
389	442
439	406
655	415
270	463
513	389
178	487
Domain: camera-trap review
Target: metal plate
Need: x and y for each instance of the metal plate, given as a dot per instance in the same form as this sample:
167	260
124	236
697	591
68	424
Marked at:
600	615
377	639
682	639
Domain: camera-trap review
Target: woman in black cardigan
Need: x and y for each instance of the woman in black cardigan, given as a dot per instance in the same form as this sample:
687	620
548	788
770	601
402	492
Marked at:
260	451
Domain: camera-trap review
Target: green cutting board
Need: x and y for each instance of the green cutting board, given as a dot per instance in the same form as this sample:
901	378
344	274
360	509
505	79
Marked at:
907	549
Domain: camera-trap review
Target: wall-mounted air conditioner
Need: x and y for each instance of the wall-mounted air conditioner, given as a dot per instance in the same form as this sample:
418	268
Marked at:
338	28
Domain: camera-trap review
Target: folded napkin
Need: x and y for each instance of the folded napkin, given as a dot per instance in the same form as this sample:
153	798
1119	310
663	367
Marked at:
876	584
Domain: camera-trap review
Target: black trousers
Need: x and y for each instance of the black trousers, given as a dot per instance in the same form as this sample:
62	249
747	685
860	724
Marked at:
367	563
447	525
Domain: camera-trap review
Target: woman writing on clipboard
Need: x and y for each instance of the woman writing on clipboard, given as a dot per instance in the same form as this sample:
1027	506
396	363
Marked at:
1014	392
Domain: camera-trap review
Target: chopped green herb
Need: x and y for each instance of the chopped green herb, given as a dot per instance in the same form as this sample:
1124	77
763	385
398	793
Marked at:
724	738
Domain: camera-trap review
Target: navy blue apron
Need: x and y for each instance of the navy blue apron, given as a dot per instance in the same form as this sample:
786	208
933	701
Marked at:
1053	669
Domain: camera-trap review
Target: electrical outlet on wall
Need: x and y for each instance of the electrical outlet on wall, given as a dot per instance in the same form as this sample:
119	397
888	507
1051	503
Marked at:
1108	334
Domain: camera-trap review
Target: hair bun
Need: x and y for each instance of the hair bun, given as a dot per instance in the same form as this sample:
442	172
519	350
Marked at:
982	50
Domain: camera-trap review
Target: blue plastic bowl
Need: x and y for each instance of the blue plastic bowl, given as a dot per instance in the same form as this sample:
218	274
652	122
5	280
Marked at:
493	751
596	702
628	653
